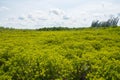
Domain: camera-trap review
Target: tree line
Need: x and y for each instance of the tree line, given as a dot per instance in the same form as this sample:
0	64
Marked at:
110	22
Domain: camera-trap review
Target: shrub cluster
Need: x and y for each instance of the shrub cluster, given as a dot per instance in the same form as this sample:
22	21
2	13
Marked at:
110	22
88	54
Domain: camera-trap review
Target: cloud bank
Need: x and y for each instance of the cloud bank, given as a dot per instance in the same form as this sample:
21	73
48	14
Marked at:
61	13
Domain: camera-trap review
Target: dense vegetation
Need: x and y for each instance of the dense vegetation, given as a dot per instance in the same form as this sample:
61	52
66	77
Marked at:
84	54
112	22
58	28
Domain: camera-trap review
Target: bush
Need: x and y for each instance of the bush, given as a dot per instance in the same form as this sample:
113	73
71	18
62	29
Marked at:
110	22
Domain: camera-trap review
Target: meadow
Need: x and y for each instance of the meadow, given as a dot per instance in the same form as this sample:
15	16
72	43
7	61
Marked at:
82	54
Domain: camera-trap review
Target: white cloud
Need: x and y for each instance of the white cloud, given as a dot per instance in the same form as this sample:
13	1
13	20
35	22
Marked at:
92	11
118	14
39	19
57	12
65	17
71	14
3	8
21	18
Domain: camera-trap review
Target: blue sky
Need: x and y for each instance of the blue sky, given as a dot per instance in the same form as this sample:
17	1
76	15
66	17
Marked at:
34	14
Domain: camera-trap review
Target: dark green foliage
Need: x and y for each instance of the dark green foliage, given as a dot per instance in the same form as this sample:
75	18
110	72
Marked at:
53	29
110	22
58	28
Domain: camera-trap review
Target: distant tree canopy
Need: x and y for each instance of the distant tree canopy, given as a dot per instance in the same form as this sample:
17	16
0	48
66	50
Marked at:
58	28
1	27
110	22
53	28
4	28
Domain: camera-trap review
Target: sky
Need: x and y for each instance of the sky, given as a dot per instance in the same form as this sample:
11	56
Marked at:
34	14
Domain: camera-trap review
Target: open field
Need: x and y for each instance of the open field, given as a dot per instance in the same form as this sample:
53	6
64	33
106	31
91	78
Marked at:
91	53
